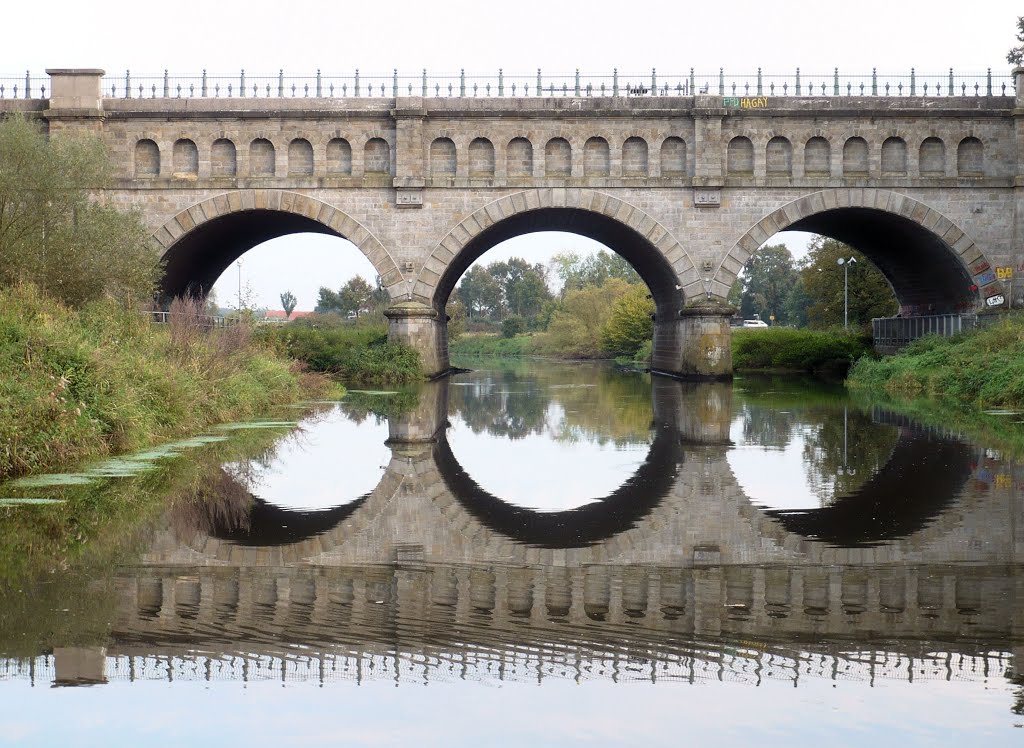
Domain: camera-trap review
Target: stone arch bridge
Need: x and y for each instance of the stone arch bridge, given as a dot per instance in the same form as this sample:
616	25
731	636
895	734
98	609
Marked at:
686	188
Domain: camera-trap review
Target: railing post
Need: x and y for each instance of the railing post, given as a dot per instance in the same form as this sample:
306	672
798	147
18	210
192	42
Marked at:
394	82
357	82
951	81
874	81
798	81
319	84
462	82
540	88
615	81
280	83
501	82
760	82
167	84
721	81
28	85
241	84
913	82
424	83
989	82
692	81
654	82
835	82
127	84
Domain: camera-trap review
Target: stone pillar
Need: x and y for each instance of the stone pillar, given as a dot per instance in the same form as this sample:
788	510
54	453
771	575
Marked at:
696	345
76	99
701	412
423	329
1018	184
423	423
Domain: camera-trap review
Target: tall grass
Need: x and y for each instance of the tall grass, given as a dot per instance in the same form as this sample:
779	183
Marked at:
104	379
357	354
984	368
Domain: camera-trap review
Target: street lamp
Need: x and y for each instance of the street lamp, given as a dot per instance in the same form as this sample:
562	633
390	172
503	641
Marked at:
239	264
846	289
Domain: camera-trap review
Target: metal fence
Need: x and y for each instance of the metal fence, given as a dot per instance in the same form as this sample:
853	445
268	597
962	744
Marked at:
204	320
892	334
532	85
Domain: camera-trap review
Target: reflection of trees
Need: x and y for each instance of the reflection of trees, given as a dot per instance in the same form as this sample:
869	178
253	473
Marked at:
841	454
514	403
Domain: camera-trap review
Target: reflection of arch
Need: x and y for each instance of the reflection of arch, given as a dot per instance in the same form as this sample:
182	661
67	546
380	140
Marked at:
268	525
923	254
659	259
201	242
575	528
890	505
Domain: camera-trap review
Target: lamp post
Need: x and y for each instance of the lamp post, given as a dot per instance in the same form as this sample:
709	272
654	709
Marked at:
239	264
846	289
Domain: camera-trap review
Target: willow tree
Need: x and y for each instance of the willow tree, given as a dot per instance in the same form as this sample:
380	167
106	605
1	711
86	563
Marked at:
56	229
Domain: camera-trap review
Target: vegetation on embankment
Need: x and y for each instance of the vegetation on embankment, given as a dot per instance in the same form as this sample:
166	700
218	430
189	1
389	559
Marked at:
102	379
981	369
357	354
787	349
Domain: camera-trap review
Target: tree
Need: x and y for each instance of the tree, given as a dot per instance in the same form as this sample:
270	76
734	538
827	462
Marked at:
54	232
327	301
480	292
355	296
870	294
524	286
576	271
1016	54
629	325
768	279
288	302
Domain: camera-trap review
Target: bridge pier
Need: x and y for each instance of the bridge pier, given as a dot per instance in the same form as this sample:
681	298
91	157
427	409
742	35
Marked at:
423	329
695	345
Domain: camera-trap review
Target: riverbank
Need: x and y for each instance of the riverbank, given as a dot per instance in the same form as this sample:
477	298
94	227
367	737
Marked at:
77	384
982	369
775	350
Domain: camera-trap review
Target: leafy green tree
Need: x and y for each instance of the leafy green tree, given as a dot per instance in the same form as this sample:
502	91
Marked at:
524	286
577	271
870	294
576	328
1016	55
54	231
629	324
327	301
288	302
768	279
356	296
480	292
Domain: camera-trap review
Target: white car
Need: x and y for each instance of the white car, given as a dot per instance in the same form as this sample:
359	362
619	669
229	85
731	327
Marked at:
754	323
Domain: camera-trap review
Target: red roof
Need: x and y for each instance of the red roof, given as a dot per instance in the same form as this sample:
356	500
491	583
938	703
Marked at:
279	314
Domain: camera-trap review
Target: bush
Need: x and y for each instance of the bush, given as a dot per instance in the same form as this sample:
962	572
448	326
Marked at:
629	325
354	353
797	350
512	326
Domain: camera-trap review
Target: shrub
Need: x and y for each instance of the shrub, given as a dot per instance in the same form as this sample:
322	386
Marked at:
512	326
797	350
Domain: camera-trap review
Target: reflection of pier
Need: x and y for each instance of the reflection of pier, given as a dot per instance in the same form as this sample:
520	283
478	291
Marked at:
419	622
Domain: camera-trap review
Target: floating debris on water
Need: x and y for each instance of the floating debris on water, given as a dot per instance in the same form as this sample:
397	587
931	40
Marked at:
373	392
998	412
25	501
53	479
255	425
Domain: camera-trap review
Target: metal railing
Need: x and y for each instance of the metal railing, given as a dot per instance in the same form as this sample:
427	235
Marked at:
208	321
892	334
533	85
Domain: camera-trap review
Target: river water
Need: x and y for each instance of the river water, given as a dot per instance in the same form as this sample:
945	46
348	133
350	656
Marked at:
527	554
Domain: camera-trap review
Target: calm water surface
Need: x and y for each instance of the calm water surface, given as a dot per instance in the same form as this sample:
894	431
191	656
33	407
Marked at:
527	554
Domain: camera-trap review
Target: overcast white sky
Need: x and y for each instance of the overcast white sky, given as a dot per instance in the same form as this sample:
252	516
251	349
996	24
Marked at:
337	37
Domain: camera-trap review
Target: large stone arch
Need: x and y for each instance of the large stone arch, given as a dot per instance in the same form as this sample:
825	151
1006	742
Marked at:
666	267
932	264
234	222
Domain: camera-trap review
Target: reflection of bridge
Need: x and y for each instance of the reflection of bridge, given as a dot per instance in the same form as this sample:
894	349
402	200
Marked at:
686	188
416	622
428	578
